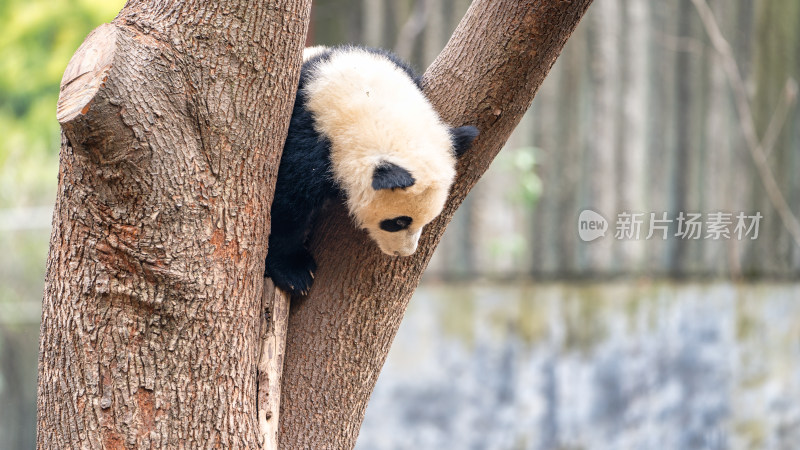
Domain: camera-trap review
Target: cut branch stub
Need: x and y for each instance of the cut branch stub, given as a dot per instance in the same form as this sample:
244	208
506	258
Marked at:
88	110
86	73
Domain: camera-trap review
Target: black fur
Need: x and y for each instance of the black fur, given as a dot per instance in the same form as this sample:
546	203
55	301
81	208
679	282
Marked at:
391	176
304	182
462	138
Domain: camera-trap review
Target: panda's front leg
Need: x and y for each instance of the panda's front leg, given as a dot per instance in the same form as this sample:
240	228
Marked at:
289	264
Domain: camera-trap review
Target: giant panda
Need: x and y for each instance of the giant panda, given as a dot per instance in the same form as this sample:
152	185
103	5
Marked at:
361	129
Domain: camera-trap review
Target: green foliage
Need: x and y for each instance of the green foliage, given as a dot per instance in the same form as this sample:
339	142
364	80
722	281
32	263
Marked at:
520	165
37	41
524	164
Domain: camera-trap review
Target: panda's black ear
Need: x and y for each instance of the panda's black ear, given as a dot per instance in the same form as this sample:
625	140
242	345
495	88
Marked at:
391	176
462	138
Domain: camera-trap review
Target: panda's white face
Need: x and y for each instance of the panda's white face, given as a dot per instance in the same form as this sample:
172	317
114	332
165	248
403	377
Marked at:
395	217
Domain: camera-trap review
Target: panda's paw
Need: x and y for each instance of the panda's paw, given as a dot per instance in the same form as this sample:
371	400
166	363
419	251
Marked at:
292	273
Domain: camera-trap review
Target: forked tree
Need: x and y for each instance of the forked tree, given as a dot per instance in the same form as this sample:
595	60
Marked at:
156	313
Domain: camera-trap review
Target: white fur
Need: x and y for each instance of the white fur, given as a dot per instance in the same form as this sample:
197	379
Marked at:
310	52
371	111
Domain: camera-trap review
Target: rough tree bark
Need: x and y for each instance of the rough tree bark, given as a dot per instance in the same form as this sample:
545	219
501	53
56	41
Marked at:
338	337
173	120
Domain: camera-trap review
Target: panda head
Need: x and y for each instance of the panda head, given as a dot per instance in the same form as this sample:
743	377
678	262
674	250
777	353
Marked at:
391	154
404	196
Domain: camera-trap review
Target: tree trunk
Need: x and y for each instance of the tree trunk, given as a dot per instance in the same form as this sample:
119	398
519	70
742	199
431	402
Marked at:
173	121
339	336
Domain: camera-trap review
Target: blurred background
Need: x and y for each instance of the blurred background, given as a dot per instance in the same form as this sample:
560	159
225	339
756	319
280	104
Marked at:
523	335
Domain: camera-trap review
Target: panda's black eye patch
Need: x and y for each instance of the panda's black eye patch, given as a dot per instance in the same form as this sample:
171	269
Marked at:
396	224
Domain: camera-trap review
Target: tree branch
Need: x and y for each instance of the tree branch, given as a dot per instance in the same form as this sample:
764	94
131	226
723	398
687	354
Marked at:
339	336
776	123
